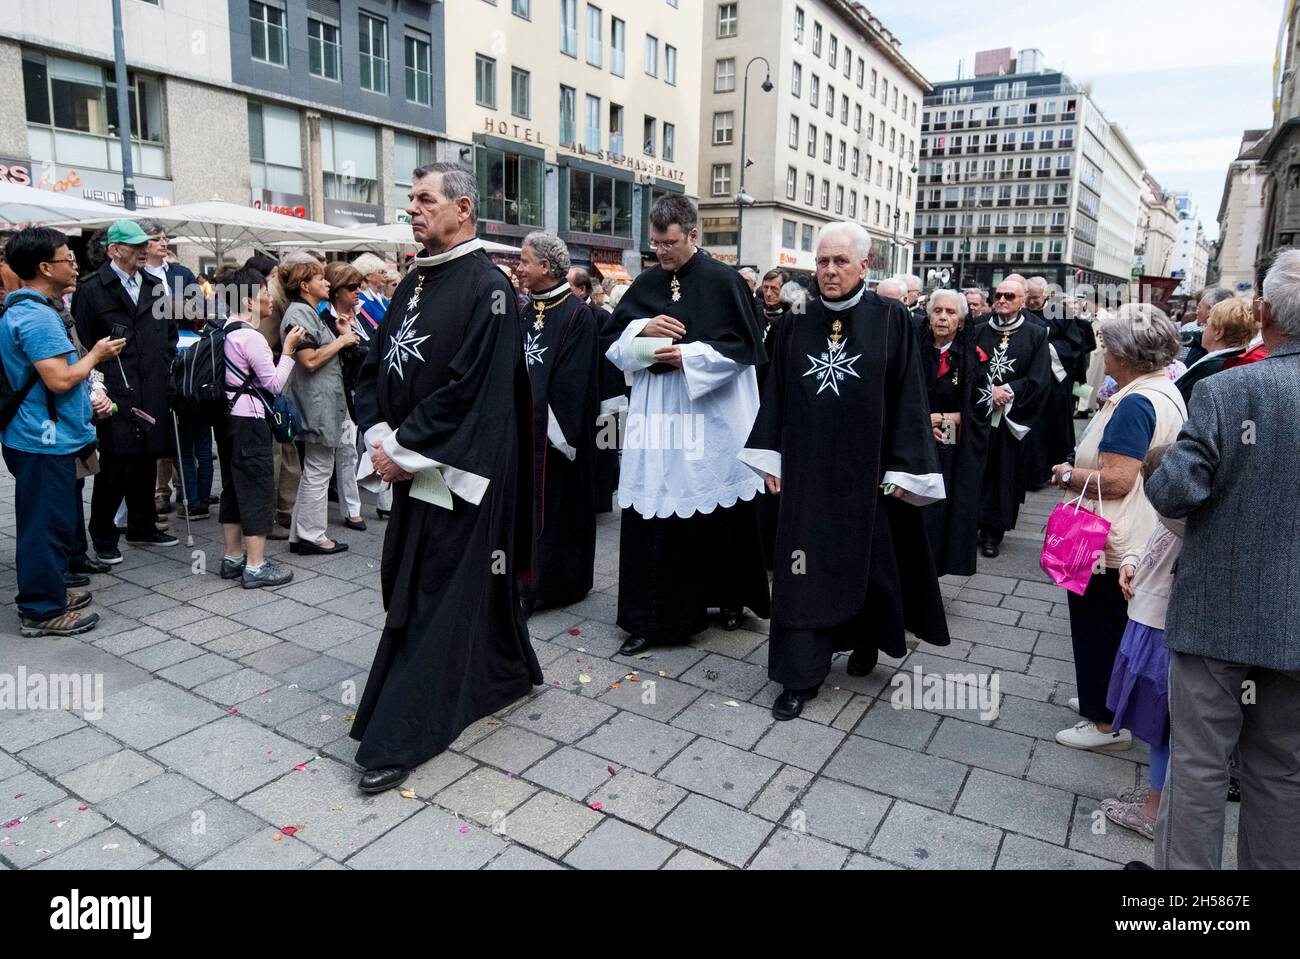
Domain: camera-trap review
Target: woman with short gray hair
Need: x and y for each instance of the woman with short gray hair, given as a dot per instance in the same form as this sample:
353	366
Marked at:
1146	410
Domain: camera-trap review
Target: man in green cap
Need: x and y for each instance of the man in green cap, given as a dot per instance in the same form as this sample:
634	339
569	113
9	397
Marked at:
122	298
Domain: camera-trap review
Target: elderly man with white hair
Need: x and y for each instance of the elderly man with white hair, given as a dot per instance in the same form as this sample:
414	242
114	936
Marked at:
1234	670
891	289
912	287
843	434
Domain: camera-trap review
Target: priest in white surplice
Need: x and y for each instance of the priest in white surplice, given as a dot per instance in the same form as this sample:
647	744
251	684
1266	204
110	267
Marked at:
687	334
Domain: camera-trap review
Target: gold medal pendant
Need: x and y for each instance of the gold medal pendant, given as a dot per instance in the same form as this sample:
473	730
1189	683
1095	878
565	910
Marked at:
836	329
676	287
541	319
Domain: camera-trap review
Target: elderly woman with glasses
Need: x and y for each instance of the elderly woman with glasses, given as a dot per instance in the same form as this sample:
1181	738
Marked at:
1146	411
954	366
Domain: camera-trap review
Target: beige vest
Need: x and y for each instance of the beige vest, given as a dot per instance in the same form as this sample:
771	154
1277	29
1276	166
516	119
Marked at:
1132	518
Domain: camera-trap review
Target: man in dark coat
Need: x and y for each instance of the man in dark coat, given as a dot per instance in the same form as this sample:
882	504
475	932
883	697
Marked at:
444	400
119	299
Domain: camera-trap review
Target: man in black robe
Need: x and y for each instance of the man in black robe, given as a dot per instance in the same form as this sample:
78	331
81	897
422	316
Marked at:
561	351
773	314
844	436
689	538
1013	395
444	400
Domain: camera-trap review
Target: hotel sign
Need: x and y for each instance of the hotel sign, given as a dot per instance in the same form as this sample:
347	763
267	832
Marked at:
526	134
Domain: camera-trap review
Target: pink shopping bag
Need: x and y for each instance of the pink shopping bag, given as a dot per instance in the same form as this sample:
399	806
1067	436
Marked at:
1075	539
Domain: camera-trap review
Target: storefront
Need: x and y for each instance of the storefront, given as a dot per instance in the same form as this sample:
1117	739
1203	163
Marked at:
103	186
511	187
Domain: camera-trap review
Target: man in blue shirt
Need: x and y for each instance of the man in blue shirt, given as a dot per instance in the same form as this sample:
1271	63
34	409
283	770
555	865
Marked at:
50	427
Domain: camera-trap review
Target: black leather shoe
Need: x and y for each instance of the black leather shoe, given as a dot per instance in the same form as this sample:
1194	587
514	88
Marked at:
989	550
311	549
87	566
633	645
731	619
75	580
862	661
383	513
790	703
359	526
382	780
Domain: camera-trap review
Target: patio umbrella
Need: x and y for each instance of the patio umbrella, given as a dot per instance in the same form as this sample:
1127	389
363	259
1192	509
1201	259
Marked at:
217	225
20	205
385	238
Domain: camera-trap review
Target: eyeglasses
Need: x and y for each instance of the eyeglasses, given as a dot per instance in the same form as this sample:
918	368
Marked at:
1005	296
64	259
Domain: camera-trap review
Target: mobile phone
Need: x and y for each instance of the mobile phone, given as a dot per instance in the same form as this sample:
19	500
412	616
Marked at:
119	332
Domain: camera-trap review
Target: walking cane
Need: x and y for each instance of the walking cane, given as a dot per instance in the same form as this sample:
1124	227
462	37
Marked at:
180	468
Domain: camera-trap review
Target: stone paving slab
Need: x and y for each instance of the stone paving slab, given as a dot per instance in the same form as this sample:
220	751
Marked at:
170	777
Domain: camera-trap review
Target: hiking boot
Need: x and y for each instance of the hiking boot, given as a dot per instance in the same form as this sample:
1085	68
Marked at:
77	601
232	568
66	624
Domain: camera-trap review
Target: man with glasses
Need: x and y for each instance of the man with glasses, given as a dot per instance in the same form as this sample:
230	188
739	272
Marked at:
46	428
687	333
1019	379
121	295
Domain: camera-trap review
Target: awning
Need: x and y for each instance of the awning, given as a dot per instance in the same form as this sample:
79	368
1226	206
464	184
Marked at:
612	271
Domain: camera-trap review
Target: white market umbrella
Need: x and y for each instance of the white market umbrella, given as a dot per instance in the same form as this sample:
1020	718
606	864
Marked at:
384	238
217	225
20	205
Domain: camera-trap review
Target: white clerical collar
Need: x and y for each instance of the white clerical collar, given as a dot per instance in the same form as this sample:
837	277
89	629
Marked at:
551	294
455	253
839	306
1001	327
946	347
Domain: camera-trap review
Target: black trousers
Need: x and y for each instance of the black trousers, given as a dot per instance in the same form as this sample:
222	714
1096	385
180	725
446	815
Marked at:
123	475
80	548
247	474
1097	622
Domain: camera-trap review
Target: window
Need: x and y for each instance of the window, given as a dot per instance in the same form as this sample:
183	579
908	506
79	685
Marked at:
814	92
651	55
409	153
796	80
830	100
844	109
722	179
485	81
794	132
322	49
616	129
806	238
648	136
419	72
724	75
791	183
828	143
809	185
521	93
862	72
817	39
568	116
848	63
857	118
812	140
1000	91
599	204
857	160
839	201
521	8
798	24
720	230
274	147
374	55
569	27
843	154
726	20
723	128
348	160
267	33
617	47
789	234
670	65
595	37
826	194
873	83
834	54
592	139
670	142
853	204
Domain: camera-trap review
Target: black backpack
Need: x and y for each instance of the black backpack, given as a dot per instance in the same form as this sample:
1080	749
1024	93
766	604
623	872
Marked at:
11	400
198	374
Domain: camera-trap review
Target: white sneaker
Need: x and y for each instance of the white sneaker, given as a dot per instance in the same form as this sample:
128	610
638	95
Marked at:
1086	735
1073	703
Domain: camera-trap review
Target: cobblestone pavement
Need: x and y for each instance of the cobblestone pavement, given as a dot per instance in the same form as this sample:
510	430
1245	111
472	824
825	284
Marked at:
223	740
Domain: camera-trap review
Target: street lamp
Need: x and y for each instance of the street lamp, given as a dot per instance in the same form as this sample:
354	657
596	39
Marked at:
898	192
742	199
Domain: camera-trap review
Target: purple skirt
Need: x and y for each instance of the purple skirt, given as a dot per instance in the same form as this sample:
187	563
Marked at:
1139	684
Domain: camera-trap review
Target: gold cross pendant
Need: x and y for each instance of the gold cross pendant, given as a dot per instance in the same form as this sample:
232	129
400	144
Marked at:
677	290
836	327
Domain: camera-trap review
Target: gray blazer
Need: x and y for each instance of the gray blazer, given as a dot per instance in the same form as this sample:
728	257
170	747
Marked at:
1234	474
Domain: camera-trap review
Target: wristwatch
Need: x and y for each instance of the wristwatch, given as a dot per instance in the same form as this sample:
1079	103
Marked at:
1065	478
